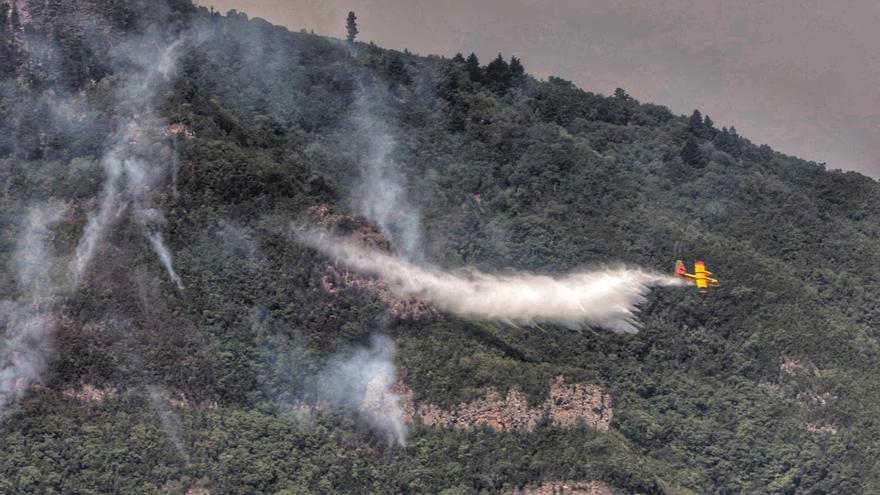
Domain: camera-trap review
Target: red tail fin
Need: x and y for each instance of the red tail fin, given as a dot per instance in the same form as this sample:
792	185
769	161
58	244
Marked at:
680	270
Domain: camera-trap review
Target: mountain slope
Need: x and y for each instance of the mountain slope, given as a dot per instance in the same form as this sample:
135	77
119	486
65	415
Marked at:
764	386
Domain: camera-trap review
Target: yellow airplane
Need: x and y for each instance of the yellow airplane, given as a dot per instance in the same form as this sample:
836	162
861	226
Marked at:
700	277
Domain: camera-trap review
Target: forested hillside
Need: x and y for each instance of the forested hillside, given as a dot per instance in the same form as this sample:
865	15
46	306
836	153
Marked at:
164	331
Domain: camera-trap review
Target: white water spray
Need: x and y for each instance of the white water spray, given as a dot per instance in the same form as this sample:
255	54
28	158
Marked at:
607	298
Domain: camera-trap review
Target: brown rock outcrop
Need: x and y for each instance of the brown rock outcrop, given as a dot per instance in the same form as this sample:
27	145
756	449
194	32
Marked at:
179	130
89	393
566	488
566	405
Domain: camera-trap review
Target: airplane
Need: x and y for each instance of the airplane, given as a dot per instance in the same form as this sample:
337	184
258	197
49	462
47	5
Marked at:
700	277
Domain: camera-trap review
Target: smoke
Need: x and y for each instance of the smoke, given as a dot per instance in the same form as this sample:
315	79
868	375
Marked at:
607	298
362	380
25	350
28	321
382	194
32	258
135	161
170	421
359	379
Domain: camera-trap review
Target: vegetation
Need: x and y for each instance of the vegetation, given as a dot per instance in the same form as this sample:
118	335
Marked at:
510	173
351	27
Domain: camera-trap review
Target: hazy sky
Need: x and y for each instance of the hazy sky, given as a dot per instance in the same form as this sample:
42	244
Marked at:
801	76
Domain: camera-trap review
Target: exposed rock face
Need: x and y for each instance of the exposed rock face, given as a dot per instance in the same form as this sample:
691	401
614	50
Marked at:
566	488
355	228
820	428
801	381
338	279
179	130
89	393
566	405
569	404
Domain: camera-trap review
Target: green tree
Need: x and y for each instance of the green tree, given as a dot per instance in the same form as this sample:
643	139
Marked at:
4	15
692	154
396	70
15	19
497	74
728	141
695	124
351	27
621	94
472	64
517	71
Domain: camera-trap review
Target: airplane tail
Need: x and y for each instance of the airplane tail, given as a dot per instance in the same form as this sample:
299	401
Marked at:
680	270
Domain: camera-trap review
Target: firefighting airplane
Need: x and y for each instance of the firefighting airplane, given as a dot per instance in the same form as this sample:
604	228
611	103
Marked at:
700	277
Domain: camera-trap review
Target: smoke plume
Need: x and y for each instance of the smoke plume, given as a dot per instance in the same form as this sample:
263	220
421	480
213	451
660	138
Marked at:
359	379
362	380
382	195
170	421
607	298
135	161
28	321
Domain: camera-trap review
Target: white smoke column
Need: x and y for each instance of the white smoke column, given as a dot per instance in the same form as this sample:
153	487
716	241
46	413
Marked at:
150	220
383	197
129	164
362	380
607	298
25	350
32	258
170	421
28	322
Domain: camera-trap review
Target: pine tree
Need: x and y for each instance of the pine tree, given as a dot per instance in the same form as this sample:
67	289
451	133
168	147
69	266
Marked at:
728	141
621	94
15	18
517	71
708	124
396	70
5	42
497	74
351	27
4	16
472	64
695	124
692	154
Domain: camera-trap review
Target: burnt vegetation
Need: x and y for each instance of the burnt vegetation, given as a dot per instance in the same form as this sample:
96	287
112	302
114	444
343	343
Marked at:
511	173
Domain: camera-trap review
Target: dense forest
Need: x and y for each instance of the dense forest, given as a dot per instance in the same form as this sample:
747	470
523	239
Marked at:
185	375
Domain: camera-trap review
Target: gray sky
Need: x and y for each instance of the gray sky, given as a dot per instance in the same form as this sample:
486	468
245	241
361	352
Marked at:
801	76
